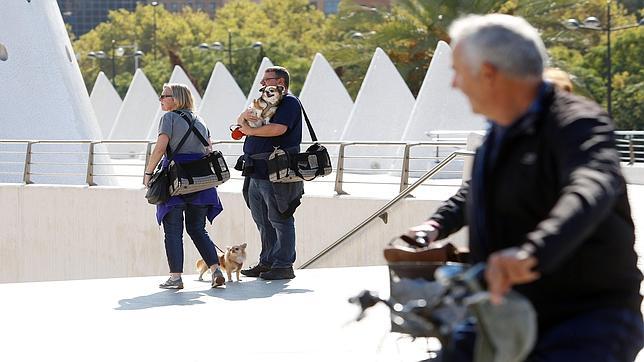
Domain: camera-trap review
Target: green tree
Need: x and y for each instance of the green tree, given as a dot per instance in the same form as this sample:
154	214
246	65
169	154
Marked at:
288	29
174	33
582	53
408	33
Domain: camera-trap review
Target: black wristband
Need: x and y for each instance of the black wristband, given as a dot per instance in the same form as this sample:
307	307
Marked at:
149	173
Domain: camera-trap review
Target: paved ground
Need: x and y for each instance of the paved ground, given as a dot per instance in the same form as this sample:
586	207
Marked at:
306	319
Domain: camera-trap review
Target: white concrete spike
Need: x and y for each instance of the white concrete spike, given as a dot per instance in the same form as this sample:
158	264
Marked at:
326	101
222	102
383	104
106	103
42	93
440	107
441	110
381	110
133	121
178	76
254	90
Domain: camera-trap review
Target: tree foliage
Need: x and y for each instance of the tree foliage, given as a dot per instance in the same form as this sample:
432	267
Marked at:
292	31
583	53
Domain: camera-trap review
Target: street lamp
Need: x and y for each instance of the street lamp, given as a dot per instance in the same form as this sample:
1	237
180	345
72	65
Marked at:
136	54
218	46
118	51
154	34
592	23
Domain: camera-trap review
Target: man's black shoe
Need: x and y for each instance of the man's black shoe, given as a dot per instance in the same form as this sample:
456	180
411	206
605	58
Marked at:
256	270
278	273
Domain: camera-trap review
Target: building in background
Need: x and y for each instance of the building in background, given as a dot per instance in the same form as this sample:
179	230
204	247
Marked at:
331	6
207	6
84	15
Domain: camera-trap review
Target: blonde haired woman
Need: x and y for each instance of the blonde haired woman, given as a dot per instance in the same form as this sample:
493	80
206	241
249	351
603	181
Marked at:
559	78
177	101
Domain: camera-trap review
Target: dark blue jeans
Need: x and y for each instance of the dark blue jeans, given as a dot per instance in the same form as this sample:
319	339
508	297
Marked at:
196	228
276	232
603	335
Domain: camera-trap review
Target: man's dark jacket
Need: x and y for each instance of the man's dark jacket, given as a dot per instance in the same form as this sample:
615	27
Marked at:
556	188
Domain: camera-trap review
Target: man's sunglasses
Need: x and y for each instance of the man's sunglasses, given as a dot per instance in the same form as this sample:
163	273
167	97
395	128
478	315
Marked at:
165	96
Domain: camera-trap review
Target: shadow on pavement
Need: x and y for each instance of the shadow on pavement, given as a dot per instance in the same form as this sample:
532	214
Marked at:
245	290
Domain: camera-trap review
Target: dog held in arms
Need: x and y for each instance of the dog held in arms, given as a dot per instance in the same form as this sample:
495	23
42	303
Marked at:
266	105
232	261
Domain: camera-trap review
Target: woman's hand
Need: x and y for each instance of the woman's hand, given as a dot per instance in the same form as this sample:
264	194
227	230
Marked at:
146	180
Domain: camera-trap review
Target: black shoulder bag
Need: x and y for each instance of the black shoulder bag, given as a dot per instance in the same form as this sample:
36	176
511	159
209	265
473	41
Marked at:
159	185
306	166
207	172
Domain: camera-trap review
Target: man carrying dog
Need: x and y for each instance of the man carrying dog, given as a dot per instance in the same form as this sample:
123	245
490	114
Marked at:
547	207
272	204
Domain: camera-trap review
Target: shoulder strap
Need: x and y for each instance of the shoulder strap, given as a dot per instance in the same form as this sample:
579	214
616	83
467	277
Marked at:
183	140
308	123
191	123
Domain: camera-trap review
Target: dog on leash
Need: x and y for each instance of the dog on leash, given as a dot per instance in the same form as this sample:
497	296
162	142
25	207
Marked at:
266	105
232	261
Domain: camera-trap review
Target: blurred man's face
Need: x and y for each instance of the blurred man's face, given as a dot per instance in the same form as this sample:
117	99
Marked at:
469	82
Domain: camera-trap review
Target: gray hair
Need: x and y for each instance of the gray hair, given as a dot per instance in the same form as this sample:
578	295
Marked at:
507	42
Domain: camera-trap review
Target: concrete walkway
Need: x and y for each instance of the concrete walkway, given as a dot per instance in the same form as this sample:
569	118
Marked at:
305	319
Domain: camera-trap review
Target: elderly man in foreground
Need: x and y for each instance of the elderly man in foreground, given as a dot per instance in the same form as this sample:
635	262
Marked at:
547	206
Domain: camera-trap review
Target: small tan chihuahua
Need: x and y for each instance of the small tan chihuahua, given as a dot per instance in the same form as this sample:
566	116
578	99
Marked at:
232	261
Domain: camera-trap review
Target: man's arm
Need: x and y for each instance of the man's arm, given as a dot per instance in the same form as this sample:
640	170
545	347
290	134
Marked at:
588	163
267	130
448	219
451	215
588	160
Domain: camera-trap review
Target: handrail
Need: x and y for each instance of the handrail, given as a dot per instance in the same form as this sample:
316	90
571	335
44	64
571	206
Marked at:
388	205
630	145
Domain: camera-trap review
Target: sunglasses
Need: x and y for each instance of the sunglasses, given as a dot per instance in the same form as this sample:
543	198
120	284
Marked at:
165	96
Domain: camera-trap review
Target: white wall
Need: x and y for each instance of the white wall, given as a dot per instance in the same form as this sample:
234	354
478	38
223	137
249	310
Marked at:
75	232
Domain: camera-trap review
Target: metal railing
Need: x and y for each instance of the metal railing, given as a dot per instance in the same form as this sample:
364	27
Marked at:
87	158
630	145
387	206
402	159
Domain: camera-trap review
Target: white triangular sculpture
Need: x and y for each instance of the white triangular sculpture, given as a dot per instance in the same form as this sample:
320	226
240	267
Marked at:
253	93
383	104
441	111
178	76
325	100
133	121
222	102
381	110
106	103
42	95
439	106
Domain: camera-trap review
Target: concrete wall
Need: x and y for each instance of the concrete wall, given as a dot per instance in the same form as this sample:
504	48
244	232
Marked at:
634	174
78	232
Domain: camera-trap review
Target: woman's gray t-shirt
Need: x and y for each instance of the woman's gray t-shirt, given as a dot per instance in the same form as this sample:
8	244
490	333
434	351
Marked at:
175	127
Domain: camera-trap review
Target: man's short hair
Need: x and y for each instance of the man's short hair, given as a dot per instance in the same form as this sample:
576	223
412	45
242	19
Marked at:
507	42
280	72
